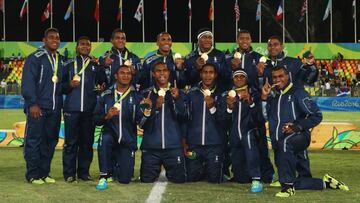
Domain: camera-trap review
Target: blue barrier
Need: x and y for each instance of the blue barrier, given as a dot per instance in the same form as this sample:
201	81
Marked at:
11	102
338	103
325	103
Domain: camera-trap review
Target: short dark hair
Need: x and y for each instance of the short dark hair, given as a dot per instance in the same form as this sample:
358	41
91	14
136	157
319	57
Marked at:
82	38
243	32
51	29
157	64
277	38
161	34
121	66
279	67
117	30
209	64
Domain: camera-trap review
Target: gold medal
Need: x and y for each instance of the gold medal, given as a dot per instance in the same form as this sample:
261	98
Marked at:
237	55
77	78
207	93
117	106
232	93
54	79
204	56
162	93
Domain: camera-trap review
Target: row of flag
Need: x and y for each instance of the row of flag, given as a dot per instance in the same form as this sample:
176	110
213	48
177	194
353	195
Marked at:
139	10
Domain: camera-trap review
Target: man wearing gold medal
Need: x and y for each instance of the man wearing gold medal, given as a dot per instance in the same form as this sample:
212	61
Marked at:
41	89
161	145
119	55
118	110
81	75
164	53
205	136
237	108
206	53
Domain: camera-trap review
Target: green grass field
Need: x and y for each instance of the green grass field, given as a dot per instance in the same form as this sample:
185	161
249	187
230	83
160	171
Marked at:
344	165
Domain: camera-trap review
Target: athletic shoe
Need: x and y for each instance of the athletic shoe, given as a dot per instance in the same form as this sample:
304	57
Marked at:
286	192
48	179
333	183
36	181
256	186
70	180
109	179
102	185
275	183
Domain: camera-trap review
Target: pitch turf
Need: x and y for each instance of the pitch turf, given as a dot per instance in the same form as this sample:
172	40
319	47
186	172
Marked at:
342	164
13	188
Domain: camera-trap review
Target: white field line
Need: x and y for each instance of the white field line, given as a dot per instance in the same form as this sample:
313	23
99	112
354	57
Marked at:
158	189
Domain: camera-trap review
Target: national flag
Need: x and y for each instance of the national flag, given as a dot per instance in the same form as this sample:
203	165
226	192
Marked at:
328	10
139	11
24	9
69	10
46	13
353	8
279	13
211	11
258	11
97	11
303	10
237	11
1	5
165	10
120	12
189	7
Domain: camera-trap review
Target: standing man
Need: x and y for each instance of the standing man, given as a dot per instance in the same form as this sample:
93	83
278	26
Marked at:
118	110
161	144
246	59
81	76
299	73
164	54
119	55
206	53
205	137
41	89
291	114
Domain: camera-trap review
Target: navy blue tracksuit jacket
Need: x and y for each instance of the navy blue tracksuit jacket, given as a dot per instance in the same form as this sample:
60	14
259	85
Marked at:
292	106
37	88
216	57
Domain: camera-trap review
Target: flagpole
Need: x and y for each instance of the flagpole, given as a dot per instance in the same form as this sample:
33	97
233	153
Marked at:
355	28
190	18
27	21
165	15
143	20
213	21
121	17
331	21
51	13
236	29
4	35
307	22
73	7
283	23
98	25
260	22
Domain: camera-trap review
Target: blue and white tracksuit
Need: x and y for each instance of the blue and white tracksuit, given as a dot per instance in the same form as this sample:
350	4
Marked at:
293	105
161	144
205	137
37	88
249	60
78	116
242	121
118	140
146	79
299	73
216	57
119	57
